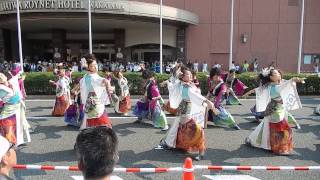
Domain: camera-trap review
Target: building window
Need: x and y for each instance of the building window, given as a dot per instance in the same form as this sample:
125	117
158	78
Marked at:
293	2
311	58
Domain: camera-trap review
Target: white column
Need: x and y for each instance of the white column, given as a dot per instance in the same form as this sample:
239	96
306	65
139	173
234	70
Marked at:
19	35
231	35
301	37
90	28
161	37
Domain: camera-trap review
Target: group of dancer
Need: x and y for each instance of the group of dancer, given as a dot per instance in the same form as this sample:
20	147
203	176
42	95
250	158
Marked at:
84	105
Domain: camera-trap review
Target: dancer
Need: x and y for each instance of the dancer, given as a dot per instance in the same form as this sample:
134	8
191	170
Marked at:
112	97
13	122
93	90
75	113
122	104
274	98
187	131
234	87
63	98
217	92
150	105
259	115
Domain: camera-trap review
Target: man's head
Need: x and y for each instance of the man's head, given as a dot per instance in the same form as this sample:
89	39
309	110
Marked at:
97	150
8	156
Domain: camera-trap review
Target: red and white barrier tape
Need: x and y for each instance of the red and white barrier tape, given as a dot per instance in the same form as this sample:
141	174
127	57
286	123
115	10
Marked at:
250	168
175	169
75	168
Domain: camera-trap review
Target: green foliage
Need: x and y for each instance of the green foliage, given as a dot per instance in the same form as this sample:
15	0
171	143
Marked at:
38	83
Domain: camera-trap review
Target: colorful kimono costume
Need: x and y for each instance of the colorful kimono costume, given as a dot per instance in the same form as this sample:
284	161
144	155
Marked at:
259	115
274	132
224	118
13	122
122	103
152	107
15	71
63	98
187	131
167	106
235	87
93	94
75	113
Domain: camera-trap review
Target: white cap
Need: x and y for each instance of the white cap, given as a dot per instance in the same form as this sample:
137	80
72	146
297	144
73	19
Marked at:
4	146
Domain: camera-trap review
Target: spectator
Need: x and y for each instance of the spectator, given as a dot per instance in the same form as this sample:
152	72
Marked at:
233	66
245	66
237	69
255	65
316	68
83	63
272	65
8	158
204	67
195	66
217	65
97	150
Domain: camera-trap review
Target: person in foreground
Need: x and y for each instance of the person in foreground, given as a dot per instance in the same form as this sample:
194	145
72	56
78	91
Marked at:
97	152
187	131
274	98
8	158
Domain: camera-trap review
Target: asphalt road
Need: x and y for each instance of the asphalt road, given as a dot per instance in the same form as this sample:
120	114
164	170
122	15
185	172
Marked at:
52	144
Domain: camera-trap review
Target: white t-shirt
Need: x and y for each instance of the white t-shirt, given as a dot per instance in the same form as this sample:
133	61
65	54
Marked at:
316	69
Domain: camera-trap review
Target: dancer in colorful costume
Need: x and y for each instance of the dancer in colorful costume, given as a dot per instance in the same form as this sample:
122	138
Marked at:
217	93
93	90
234	88
274	98
150	106
122	104
187	131
63	97
13	122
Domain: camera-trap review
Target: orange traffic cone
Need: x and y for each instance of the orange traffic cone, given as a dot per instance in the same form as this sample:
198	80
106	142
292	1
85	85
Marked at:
188	170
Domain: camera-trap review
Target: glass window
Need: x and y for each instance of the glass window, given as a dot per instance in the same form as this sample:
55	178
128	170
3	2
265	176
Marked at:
307	59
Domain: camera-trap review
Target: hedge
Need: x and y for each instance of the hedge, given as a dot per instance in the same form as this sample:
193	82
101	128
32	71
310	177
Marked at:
37	83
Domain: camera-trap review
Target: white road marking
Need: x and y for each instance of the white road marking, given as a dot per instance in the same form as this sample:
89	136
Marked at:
230	177
81	178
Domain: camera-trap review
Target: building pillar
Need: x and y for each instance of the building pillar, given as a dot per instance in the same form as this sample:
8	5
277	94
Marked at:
181	43
58	43
119	41
2	47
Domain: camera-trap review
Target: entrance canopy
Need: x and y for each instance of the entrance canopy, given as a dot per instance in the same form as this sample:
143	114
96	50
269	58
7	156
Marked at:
116	7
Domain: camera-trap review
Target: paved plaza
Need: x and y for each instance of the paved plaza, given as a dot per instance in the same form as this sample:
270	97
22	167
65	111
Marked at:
53	141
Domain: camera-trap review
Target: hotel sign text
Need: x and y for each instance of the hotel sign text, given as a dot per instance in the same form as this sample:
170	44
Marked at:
29	5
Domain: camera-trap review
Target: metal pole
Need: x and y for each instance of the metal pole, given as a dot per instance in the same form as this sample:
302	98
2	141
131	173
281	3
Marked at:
19	35
90	28
301	37
161	37
231	35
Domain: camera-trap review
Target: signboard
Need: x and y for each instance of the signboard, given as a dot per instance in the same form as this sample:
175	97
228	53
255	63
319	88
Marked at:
31	5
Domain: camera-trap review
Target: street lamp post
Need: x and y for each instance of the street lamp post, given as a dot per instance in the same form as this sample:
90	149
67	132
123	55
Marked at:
301	37
161	50
19	35
90	28
231	35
